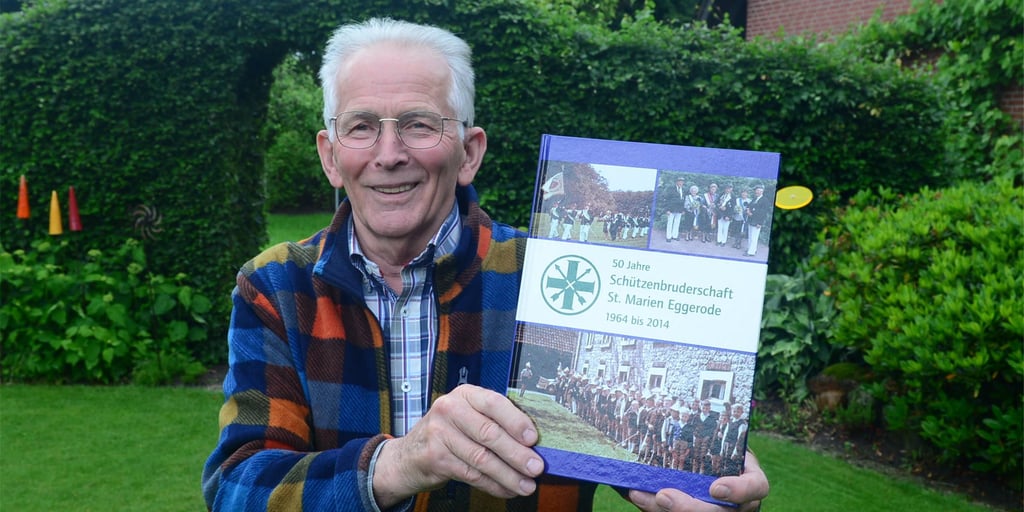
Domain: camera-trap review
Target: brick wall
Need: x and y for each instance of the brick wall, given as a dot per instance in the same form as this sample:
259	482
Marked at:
1012	102
766	17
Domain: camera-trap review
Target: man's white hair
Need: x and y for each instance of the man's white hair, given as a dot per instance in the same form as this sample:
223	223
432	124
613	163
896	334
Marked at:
350	39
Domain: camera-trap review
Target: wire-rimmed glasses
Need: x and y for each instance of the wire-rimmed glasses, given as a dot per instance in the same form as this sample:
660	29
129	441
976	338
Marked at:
417	130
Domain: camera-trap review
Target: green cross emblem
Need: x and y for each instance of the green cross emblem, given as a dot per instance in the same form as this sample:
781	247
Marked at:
570	285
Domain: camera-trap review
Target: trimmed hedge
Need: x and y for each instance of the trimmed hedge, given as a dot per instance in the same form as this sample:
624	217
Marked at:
161	104
842	125
152	111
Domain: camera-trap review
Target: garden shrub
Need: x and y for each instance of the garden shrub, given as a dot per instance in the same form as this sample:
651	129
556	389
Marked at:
96	318
796	335
294	178
152	111
929	289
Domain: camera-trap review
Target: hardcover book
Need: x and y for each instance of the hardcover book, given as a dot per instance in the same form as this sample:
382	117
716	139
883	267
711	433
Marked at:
640	309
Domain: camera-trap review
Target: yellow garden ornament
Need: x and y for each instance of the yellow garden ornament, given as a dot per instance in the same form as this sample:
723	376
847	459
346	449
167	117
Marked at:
56	226
793	197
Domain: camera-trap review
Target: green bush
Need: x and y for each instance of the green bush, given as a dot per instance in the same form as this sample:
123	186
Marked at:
294	178
796	335
152	111
97	317
929	290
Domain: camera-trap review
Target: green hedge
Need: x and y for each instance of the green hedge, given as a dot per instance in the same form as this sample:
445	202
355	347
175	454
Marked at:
841	125
152	111
162	104
974	51
929	290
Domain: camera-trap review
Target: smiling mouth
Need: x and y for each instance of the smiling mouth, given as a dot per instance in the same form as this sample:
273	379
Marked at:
398	189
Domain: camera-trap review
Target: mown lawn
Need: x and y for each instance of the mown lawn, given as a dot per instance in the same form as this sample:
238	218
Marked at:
81	448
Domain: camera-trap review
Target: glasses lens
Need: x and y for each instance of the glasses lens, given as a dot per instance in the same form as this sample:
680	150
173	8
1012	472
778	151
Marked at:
417	130
420	130
357	130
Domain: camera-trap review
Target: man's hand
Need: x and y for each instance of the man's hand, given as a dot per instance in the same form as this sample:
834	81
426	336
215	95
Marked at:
472	435
747	490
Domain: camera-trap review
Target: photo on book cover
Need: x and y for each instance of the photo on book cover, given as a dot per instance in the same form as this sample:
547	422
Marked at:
651	402
640	307
686	212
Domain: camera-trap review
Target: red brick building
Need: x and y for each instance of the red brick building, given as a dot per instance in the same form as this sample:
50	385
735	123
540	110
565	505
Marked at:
771	18
767	18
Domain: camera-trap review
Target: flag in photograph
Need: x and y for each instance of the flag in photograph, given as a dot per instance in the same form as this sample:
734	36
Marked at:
553	186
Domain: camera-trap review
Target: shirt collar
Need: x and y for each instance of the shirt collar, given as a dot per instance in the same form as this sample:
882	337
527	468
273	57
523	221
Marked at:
443	242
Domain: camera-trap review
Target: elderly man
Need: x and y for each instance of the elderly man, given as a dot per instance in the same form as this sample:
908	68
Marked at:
364	360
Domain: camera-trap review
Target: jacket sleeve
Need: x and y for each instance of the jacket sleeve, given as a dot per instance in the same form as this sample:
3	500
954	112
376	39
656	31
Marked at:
266	457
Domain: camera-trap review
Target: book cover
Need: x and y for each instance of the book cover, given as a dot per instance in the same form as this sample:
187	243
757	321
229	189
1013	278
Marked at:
640	309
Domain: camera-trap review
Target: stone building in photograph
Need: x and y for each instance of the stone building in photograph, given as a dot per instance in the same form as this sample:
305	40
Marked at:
671	369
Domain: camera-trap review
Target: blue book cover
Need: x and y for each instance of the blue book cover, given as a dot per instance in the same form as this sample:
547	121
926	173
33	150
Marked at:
640	309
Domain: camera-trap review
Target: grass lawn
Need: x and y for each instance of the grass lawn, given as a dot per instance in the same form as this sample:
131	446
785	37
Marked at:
81	448
78	448
292	228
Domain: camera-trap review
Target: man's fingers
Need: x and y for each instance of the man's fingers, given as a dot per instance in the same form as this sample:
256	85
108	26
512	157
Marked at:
502	411
475	437
480	467
752	485
747	489
495	424
498	429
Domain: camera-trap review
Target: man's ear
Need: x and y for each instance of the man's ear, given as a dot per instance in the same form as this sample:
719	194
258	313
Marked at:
475	144
325	148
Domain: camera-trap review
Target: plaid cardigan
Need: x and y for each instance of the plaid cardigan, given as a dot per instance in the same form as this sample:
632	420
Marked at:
307	390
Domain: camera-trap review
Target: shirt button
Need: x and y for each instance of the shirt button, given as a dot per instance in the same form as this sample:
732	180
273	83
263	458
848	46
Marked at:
405	312
406	387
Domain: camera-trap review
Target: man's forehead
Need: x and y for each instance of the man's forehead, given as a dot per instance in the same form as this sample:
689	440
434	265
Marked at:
384	66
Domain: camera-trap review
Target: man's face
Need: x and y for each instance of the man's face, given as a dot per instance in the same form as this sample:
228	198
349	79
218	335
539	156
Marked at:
399	195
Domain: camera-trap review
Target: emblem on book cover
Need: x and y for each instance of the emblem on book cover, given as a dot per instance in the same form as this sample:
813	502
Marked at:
570	285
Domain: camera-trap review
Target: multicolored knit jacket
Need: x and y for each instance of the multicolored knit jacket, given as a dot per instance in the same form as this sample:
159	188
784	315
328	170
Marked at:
307	390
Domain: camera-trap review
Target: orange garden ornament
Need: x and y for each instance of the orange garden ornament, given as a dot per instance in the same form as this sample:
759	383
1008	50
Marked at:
56	227
23	211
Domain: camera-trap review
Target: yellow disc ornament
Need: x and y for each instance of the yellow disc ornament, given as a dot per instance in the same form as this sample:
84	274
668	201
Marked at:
793	197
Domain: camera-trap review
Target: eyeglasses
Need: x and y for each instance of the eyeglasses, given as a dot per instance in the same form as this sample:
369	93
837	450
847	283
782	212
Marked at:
417	130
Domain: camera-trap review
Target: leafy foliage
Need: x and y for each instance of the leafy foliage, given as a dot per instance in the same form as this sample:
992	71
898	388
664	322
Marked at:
974	51
156	104
796	335
97	319
928	289
292	170
841	124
